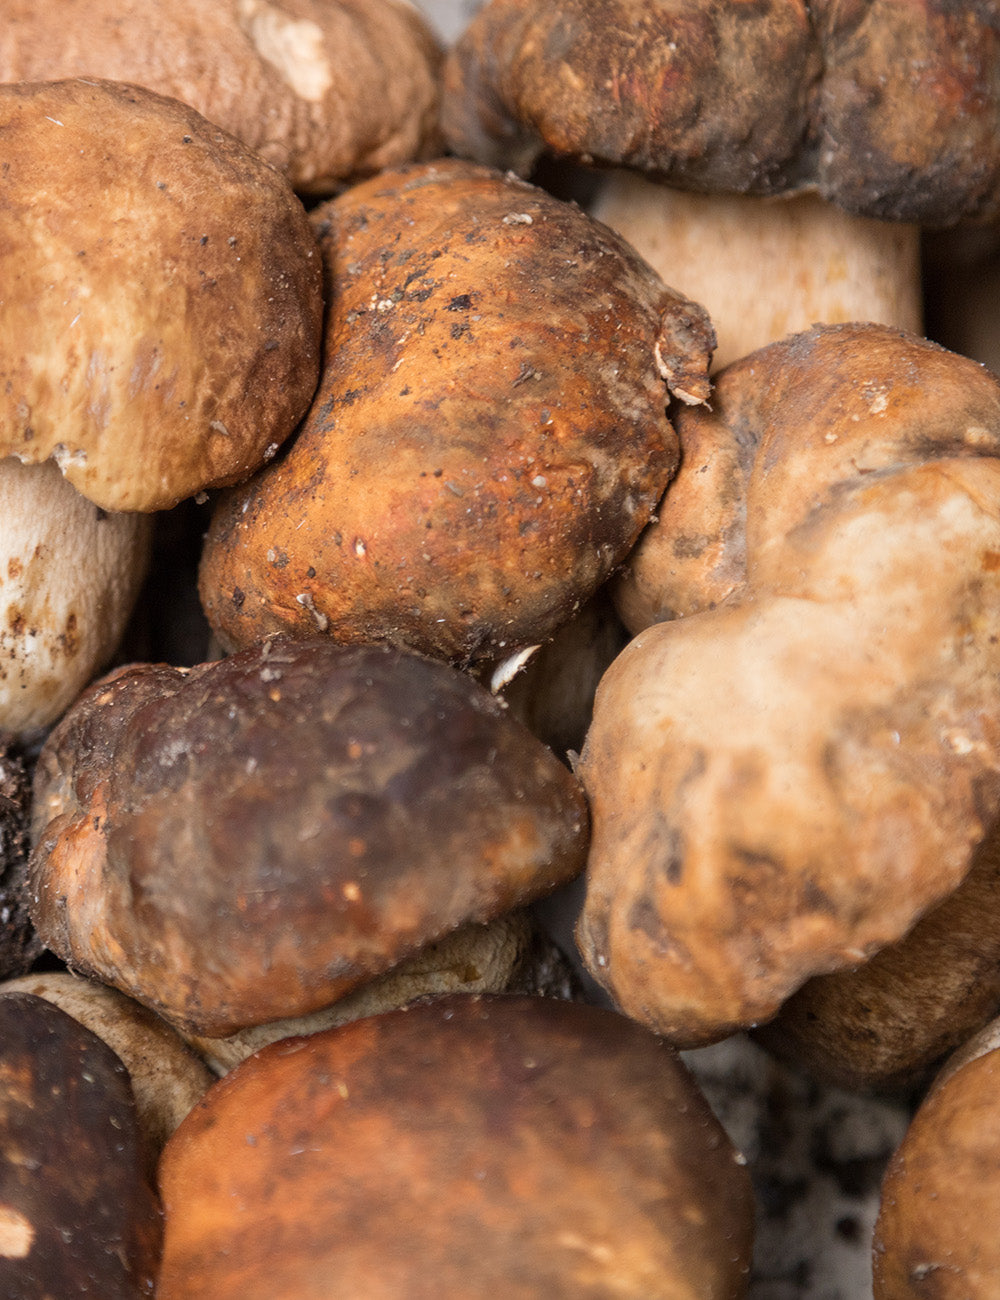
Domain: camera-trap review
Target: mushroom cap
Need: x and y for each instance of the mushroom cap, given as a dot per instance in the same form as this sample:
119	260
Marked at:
786	775
165	1075
71	576
889	108
489	435
321	89
936	1231
885	1024
500	956
463	1146
160	330
78	1215
252	838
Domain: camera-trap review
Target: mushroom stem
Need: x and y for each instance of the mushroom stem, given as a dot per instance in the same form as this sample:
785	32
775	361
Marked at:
768	267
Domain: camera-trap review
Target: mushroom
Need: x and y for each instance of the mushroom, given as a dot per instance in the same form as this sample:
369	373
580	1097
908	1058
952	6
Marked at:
461	1147
322	89
508	955
936	1230
160	330
255	837
887	109
785	774
886	1024
70	573
78	1213
489	434
165	1075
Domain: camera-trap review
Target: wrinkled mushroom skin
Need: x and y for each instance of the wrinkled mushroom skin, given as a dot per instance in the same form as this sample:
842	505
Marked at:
489	435
249	840
884	1024
321	89
715	94
543	1147
78	1215
784	778
161	320
70	574
936	1238
743	96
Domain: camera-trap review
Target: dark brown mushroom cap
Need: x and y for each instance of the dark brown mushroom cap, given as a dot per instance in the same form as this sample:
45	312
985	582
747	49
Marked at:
890	108
464	1147
160	326
246	841
321	89
489	435
936	1237
77	1214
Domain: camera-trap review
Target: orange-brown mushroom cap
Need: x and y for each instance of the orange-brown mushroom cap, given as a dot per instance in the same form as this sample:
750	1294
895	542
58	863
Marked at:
466	1147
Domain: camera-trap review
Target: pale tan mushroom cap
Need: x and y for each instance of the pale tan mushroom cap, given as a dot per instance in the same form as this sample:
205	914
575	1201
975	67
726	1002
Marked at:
321	89
786	776
69	576
160	326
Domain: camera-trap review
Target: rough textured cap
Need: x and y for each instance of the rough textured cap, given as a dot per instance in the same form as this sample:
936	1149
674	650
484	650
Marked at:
248	840
890	108
489	435
463	1147
77	1213
785	775
321	89
160	327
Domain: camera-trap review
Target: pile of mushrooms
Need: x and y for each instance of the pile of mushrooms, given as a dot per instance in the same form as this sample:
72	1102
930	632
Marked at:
482	718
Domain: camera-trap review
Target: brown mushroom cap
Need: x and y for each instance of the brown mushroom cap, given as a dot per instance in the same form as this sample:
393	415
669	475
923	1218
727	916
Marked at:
250	839
78	1215
166	1077
489	435
321	89
889	108
886	1023
786	776
463	1147
936	1231
160	327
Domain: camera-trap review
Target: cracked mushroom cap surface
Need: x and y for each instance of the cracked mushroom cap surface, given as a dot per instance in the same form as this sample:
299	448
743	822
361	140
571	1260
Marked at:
250	839
784	776
489	435
78	1213
463	1146
321	89
889	108
161	323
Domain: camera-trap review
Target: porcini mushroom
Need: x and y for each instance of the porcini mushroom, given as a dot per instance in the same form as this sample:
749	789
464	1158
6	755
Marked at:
78	1213
70	573
322	89
886	110
936	1233
250	839
489	436
462	1147
165	1075
159	332
785	774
